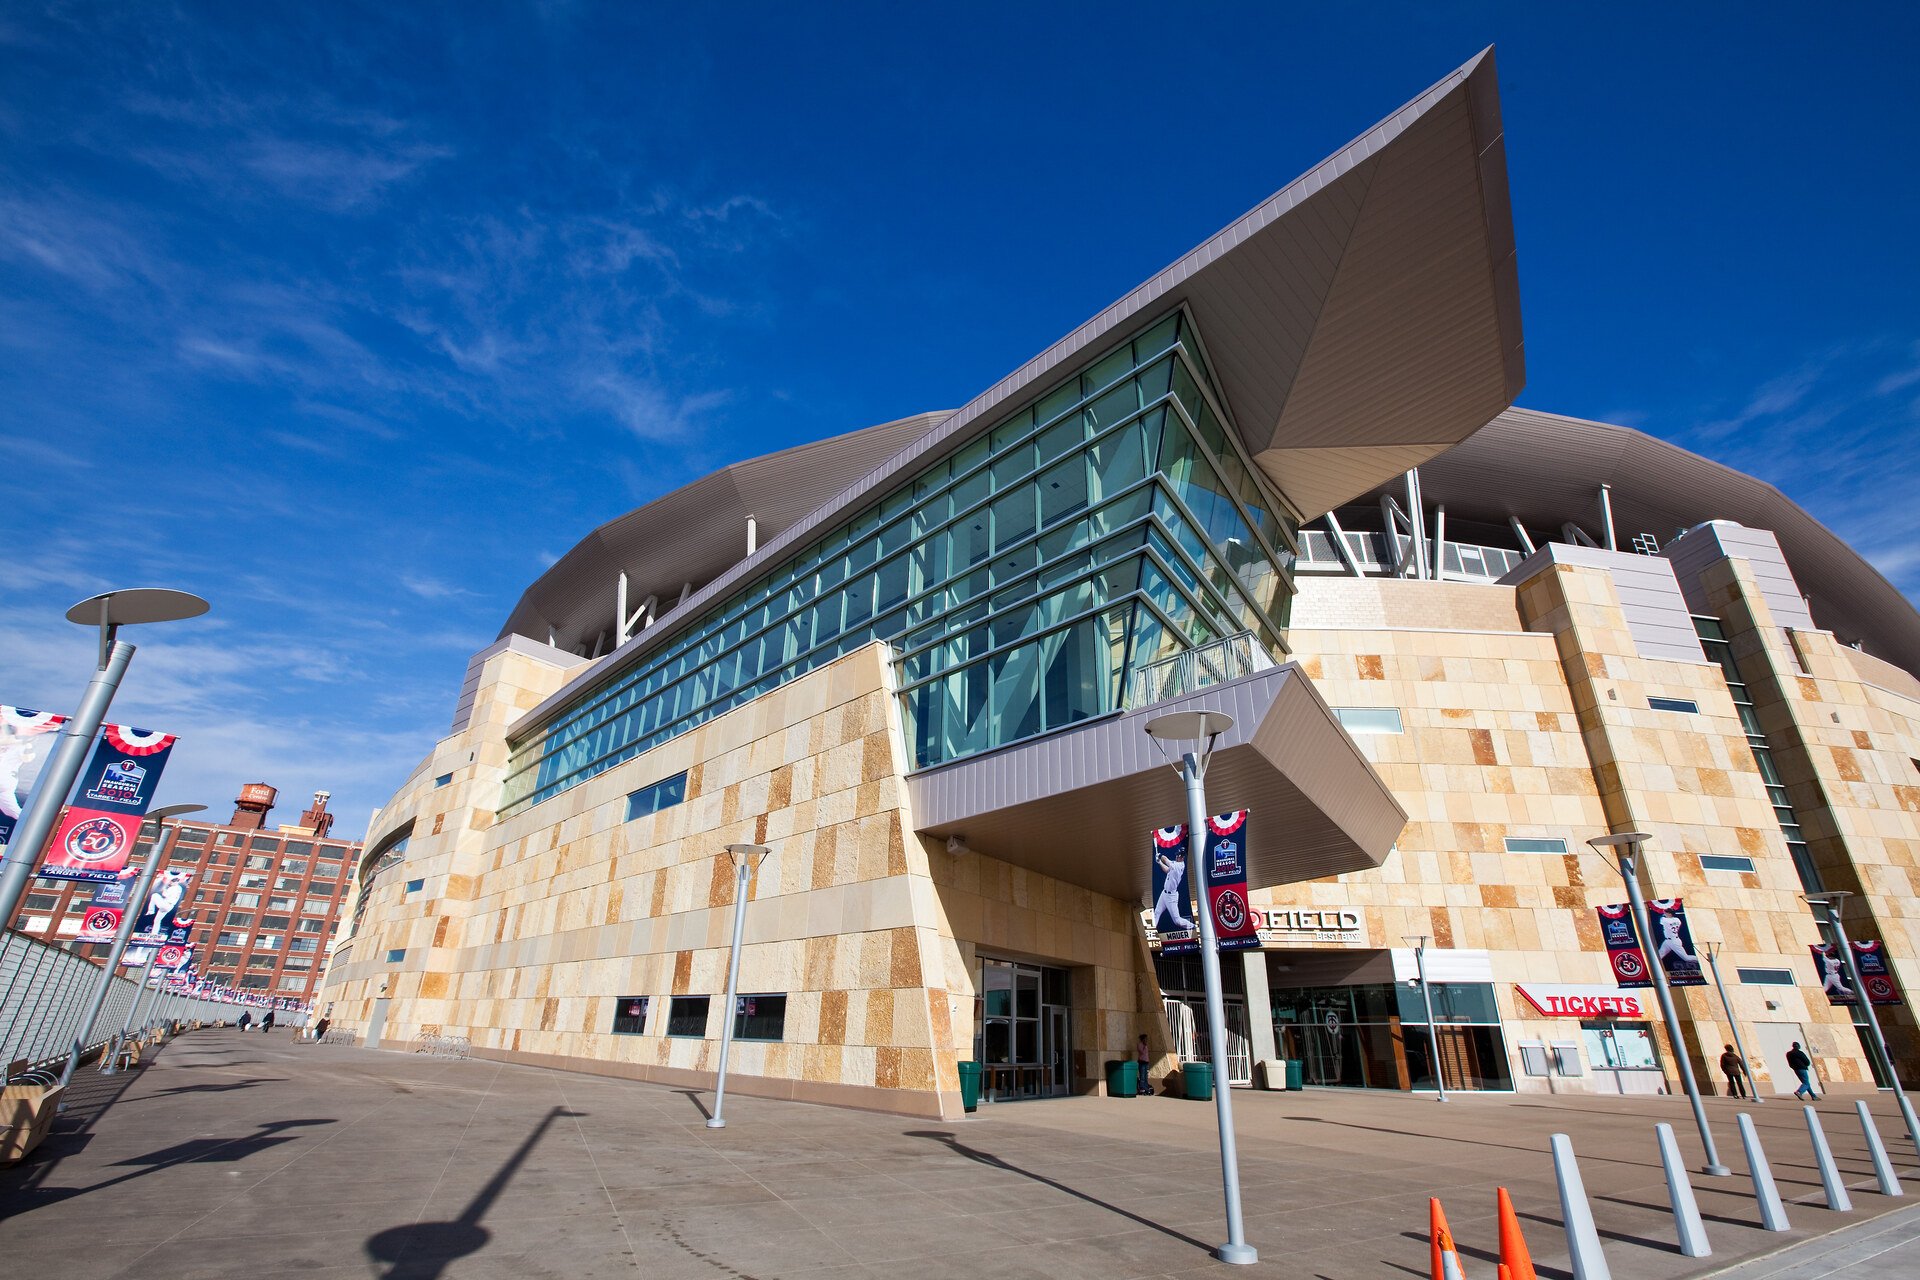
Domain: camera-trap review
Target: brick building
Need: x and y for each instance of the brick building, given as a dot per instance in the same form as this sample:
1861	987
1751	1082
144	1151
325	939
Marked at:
266	899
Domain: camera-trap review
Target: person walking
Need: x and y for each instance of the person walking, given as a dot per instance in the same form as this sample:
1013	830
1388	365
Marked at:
246	1020
266	1023
1143	1088
1731	1067
1802	1066
320	1029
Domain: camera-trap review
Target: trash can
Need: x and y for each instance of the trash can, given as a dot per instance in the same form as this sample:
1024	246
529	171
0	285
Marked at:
1296	1074
970	1085
1272	1074
1199	1078
1123	1078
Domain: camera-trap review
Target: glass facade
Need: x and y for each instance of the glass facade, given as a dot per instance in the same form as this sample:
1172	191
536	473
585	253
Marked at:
1374	1035
1111	522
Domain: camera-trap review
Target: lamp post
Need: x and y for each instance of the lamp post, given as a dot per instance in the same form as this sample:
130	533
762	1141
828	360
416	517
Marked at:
1202	728
1733	1024
110	611
745	858
1627	847
1831	900
1426	994
162	841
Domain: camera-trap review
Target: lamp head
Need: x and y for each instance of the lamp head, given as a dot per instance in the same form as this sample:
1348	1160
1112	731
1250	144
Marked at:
1189	726
135	605
747	855
1604	843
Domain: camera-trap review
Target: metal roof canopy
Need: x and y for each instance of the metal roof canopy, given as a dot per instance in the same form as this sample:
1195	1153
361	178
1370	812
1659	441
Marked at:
1359	321
1545	469
1079	806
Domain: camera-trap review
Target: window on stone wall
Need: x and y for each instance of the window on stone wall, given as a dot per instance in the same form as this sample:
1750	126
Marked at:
760	1017
1725	862
1536	844
1358	720
630	1015
1687	705
657	796
687	1016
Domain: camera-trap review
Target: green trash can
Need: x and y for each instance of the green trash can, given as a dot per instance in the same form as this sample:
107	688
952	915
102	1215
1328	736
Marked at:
1199	1080
1123	1078
1296	1074
970	1085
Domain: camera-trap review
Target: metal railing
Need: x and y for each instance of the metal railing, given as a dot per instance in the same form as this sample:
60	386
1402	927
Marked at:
44	993
1217	662
1460	561
442	1046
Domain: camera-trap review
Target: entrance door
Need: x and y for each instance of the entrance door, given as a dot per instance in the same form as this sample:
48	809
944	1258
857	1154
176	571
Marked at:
1771	1042
1239	1046
1054	1047
377	1023
1022	1040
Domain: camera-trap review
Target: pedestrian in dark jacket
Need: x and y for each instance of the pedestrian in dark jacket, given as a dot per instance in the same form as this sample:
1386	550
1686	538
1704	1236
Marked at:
266	1023
320	1029
246	1020
1731	1067
1802	1066
1143	1056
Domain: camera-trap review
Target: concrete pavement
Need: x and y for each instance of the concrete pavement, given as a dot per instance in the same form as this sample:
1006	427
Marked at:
248	1155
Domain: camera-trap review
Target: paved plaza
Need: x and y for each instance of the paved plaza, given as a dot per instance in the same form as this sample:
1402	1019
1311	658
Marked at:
249	1155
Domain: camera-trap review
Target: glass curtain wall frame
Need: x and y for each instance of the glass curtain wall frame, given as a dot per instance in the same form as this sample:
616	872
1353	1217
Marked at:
1376	1037
1114	519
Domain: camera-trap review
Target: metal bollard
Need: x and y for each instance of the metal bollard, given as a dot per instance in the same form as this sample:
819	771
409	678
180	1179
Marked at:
1882	1167
1773	1214
1830	1181
1913	1122
1583	1242
1686	1213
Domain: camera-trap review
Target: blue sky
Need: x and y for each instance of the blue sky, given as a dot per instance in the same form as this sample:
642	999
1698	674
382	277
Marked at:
352	319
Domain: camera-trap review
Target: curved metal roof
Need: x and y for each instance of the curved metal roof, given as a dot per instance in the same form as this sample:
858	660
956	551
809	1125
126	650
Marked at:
698	531
1546	469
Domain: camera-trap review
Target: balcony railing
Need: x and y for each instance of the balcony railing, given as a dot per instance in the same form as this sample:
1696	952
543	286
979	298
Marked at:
1460	561
1222	660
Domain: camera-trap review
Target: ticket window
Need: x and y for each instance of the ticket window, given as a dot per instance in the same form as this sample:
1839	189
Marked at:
1620	1046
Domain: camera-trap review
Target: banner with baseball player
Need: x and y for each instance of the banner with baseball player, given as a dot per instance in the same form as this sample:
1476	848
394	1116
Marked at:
159	914
26	738
115	791
1870	957
1672	943
1233	922
101	920
1172	905
1623	948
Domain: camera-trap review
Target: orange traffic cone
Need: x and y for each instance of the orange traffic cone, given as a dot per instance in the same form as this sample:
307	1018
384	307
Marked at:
1446	1258
1514	1258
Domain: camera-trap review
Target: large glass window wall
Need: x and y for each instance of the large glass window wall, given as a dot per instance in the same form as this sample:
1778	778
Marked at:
1109	523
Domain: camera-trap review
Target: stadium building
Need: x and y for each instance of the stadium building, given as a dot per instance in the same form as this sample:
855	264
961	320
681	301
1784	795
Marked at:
1282	478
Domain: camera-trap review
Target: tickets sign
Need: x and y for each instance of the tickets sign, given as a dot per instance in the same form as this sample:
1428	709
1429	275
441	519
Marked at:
1580	1001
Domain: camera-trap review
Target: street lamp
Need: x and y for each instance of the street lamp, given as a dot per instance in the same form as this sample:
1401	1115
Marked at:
1202	729
1733	1024
110	611
1627	847
162	841
1419	942
1832	899
745	858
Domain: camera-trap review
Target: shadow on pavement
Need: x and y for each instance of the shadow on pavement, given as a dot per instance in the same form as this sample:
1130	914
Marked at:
693	1096
1490	1256
993	1161
423	1250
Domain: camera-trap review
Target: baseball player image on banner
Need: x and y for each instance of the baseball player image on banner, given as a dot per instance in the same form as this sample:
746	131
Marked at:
1623	949
156	921
1871	958
24	742
1673	948
115	791
1233	922
1172	909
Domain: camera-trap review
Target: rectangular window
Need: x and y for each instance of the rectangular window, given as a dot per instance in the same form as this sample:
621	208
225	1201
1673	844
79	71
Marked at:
687	1016
313	926
333	851
1674	704
228	838
1535	844
299	847
263	962
1765	977
326	871
257	980
443	780
225	959
267	942
288	884
1369	719
630	1015
231	938
293	983
259	862
294	866
280	902
239	917
275	922
1725	862
396	955
246	899
41	901
303	966
761	1017
660	795
415	886
196	835
305	946
268	843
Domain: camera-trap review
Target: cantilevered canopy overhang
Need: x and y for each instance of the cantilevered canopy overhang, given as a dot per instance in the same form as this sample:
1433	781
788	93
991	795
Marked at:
1079	806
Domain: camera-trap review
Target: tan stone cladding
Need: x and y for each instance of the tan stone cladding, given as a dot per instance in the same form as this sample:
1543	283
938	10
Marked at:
1546	733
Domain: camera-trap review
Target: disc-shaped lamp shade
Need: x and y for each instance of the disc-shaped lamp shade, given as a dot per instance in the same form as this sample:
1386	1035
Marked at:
137	604
1189	726
747	854
1625	837
175	810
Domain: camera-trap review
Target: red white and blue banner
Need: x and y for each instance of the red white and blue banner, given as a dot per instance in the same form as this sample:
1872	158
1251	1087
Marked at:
159	914
1672	943
1233	921
1870	957
26	737
1623	948
116	789
101	920
1172	905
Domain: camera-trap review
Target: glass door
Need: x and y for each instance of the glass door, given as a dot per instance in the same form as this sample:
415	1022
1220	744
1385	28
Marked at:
1022	1041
